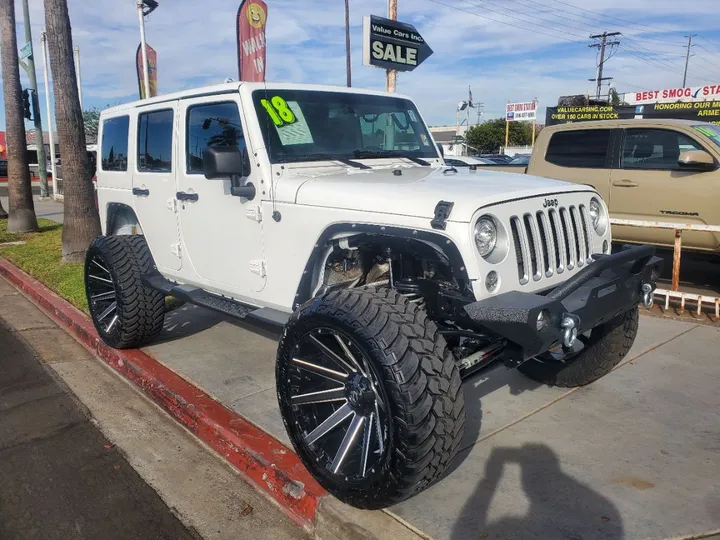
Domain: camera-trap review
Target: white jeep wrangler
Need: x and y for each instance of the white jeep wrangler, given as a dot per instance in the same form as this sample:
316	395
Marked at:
330	211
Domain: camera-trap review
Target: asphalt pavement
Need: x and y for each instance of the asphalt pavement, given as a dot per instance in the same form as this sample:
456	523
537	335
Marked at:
59	476
47	209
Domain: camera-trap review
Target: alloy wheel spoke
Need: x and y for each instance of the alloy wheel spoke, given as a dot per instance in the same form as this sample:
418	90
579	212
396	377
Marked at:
332	355
103	296
91	276
350	437
323	396
101	266
112	307
112	323
349	354
330	423
321	370
378	429
367	438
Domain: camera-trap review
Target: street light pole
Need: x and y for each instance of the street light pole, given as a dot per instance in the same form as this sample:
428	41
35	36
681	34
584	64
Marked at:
53	168
76	51
39	139
143	49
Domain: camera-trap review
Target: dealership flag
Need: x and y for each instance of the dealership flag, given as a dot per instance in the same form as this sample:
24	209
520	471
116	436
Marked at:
152	70
251	22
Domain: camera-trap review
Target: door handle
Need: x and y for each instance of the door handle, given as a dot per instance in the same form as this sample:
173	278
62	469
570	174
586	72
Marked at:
140	192
625	183
183	196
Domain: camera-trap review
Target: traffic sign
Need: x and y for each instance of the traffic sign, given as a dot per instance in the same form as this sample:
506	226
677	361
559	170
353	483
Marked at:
26	51
389	44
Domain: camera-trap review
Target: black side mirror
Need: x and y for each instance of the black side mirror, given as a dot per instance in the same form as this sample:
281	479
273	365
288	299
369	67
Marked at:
229	161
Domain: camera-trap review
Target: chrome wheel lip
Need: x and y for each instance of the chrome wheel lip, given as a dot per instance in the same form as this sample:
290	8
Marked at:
102	294
349	439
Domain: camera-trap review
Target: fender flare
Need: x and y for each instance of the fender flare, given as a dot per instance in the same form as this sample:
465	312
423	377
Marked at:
442	245
113	210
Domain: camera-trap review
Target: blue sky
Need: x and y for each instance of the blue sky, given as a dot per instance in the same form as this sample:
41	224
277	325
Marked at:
506	49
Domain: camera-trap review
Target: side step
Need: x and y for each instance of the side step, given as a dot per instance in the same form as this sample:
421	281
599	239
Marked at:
226	306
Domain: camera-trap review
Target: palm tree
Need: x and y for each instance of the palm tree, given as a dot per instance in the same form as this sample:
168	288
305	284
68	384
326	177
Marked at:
81	220
22	211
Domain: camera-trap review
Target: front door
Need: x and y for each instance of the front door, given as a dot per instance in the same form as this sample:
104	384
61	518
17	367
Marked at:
650	185
154	187
221	233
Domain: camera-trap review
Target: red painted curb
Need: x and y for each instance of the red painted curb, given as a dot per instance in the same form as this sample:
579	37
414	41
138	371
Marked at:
260	458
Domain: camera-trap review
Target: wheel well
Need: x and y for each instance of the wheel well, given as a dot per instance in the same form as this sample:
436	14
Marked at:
348	255
122	220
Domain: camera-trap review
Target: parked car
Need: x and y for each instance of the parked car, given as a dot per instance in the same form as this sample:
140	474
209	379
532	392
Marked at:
500	159
330	211
3	168
650	170
520	159
466	161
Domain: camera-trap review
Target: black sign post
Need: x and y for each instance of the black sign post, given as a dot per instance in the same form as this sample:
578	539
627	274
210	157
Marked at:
389	44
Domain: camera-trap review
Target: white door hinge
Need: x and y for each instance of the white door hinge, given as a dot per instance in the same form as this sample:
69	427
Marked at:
254	213
171	205
258	267
176	250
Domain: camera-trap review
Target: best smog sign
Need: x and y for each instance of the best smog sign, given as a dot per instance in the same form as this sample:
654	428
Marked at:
391	44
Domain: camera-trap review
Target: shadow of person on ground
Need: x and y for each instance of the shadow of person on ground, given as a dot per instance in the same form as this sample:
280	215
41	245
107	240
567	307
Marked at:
559	505
476	388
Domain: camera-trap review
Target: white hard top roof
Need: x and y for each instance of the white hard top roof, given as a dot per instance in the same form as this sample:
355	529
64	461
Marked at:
231	87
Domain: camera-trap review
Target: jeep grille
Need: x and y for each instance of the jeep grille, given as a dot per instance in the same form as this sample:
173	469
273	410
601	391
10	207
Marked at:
551	241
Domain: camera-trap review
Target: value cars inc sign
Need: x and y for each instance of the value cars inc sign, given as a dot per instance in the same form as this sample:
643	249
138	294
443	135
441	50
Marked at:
391	44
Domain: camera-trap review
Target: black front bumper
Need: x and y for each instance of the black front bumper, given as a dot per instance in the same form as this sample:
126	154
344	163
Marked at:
607	287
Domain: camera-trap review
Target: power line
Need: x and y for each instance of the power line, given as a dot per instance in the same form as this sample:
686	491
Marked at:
709	52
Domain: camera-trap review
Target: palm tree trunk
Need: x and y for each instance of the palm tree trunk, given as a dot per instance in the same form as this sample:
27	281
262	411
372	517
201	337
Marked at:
81	220
22	211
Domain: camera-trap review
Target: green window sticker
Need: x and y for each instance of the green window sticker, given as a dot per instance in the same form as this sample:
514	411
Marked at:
278	110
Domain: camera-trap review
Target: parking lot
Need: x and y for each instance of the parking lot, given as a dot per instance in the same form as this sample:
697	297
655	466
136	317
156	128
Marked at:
635	455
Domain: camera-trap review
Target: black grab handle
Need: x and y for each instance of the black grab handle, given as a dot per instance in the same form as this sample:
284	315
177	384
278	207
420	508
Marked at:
182	196
141	192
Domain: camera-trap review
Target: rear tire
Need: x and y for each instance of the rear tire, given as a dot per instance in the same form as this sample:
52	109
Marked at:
607	345
417	409
126	312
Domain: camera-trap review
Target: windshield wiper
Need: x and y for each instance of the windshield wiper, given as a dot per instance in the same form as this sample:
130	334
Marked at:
389	153
324	157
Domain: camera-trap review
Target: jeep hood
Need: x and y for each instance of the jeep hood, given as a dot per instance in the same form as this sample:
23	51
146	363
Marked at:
418	190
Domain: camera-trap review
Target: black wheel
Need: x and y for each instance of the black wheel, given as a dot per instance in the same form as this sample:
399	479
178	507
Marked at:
370	395
126	312
593	355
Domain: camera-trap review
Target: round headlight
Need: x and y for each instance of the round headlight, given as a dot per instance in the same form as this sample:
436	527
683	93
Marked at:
598	216
595	211
485	235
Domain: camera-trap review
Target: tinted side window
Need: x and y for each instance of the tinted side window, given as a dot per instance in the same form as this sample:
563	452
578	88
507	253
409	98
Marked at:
655	149
115	143
155	133
586	148
216	124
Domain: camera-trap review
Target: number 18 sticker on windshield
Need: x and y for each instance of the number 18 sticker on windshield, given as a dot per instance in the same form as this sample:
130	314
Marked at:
278	110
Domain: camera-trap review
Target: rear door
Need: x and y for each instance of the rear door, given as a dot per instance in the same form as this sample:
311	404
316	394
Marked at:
650	185
581	156
154	188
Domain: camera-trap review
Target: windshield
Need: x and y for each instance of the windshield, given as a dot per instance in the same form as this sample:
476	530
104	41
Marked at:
307	125
711	131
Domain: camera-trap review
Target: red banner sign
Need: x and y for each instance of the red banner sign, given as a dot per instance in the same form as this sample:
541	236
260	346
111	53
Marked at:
152	71
251	23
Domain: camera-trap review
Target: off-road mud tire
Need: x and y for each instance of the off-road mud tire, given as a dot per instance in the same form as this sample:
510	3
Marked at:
608	344
140	308
418	374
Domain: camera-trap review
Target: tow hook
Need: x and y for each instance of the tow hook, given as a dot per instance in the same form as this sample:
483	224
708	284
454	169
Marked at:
648	296
569	326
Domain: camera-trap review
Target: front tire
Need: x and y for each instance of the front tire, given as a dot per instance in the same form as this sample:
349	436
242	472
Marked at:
126	313
604	349
370	395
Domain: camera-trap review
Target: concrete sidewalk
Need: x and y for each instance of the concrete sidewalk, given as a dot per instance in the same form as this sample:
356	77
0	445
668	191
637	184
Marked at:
635	455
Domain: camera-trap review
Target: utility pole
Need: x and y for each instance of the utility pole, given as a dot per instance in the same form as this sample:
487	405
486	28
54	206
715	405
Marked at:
391	74
146	74
29	67
687	56
603	43
348	65
76	54
46	63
